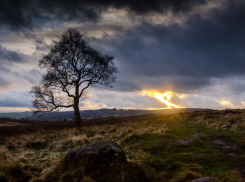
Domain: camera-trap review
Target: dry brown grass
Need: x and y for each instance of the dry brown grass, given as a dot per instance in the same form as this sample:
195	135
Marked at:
233	120
43	151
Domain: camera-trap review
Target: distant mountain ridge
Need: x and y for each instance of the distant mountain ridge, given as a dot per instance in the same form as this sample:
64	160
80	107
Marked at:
104	113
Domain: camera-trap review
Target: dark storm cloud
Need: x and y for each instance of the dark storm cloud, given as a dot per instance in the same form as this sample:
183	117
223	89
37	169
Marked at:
19	14
14	13
124	84
183	57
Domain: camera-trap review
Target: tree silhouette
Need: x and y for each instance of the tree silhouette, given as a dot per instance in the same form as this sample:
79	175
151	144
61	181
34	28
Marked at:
71	67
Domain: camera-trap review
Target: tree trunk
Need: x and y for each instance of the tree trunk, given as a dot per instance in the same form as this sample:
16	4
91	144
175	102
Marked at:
77	114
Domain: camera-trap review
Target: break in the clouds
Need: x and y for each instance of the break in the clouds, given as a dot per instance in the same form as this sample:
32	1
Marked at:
194	48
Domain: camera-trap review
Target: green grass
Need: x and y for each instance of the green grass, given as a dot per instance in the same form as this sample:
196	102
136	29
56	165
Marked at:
151	146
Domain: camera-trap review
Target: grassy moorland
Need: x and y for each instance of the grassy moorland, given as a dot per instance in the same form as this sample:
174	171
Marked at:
151	143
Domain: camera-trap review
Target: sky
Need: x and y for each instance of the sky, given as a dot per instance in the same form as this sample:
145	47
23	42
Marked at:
194	49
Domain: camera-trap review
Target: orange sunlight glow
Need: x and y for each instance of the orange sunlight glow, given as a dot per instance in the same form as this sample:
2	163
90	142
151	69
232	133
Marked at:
225	103
163	97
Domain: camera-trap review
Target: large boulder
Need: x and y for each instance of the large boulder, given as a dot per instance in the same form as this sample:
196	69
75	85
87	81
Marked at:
100	153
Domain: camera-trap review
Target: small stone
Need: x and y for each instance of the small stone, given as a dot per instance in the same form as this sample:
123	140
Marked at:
185	141
225	145
197	135
204	179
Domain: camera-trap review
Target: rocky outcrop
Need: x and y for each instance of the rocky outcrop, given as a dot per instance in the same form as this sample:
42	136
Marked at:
103	152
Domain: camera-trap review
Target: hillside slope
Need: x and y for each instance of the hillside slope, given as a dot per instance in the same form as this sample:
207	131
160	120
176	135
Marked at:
172	148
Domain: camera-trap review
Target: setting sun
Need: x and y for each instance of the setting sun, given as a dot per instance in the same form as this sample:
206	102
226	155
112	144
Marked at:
163	97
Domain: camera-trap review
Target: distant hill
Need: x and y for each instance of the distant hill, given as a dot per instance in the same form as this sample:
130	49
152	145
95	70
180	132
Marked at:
104	113
16	115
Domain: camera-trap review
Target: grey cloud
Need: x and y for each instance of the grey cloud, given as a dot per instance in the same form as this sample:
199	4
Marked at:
124	84
187	84
33	76
41	46
7	55
7	58
9	69
15	99
38	40
232	85
192	101
4	83
29	34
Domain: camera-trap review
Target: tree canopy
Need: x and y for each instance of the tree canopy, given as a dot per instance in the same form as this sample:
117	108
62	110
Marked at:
71	66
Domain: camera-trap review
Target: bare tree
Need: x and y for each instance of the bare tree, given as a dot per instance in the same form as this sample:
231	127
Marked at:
71	67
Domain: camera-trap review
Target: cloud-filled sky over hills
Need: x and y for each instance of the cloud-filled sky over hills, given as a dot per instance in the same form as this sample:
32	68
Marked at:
194	48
